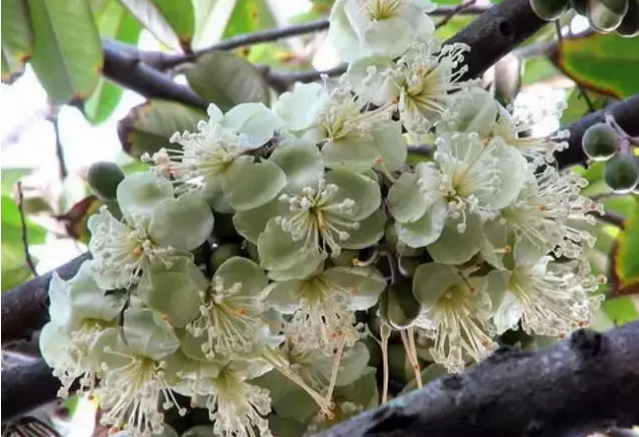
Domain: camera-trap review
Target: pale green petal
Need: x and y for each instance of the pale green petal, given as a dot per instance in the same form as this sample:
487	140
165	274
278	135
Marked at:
88	301
378	87
370	231
301	162
390	37
276	247
352	364
140	193
526	254
341	36
514	173
350	154
251	223
494	241
497	286
51	343
244	271
365	284
299	108
426	230
432	280
174	292
420	22
454	247
249	185
363	190
507	314
147	334
182	223
254	121
308	264
284	296
475	110
215	114
405	200
391	145
191	346
59	305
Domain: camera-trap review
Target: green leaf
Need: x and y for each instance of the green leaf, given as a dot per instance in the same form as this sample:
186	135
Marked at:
626	254
17	39
227	80
171	22
10	176
537	70
621	310
113	22
590	60
249	16
578	108
67	56
148	127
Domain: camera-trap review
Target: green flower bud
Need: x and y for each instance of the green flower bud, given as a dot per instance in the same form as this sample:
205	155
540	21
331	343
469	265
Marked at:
621	173
103	178
580	6
629	26
222	253
606	15
398	306
549	10
600	142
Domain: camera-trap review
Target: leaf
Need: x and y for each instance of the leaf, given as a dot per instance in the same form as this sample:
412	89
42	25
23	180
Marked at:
537	70
249	16
171	22
606	63
17	39
67	55
113	22
227	80
626	254
14	267
577	107
148	127
75	219
621	310
211	18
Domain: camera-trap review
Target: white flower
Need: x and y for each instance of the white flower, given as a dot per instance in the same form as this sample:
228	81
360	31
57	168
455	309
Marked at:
550	298
378	27
230	311
455	314
514	130
547	211
426	78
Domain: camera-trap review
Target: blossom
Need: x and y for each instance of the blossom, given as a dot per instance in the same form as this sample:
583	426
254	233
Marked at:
323	306
378	27
350	133
455	314
468	178
230	310
156	228
550	298
219	157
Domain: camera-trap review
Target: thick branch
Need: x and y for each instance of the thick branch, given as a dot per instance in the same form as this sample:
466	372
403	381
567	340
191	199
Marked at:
124	66
586	383
25	388
626	114
24	308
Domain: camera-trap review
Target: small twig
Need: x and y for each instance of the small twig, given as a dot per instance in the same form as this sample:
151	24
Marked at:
612	218
282	81
422	150
456	11
52	117
25	236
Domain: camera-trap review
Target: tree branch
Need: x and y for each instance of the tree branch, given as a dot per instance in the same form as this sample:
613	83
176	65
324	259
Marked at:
588	382
24	308
24	231
626	114
123	65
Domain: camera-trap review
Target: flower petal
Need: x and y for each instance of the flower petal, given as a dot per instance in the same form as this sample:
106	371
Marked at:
244	271
308	264
248	185
426	230
454	247
140	193
367	76
251	223
301	161
341	36
390	144
182	223
370	231
59	305
276	248
299	108
147	334
432	280
366	284
284	296
255	122
350	154
390	37
405	199
51	343
363	190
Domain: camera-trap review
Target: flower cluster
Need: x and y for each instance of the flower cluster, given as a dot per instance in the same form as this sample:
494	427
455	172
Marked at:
336	229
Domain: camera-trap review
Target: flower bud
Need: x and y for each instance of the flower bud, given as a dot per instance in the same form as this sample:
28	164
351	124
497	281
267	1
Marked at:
606	15
103	178
629	26
580	6
600	142
549	10
398	306
621	173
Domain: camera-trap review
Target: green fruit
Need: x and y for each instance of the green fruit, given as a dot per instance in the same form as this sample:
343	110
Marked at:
103	178
606	15
580	6
398	306
629	26
549	10
621	173
600	142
